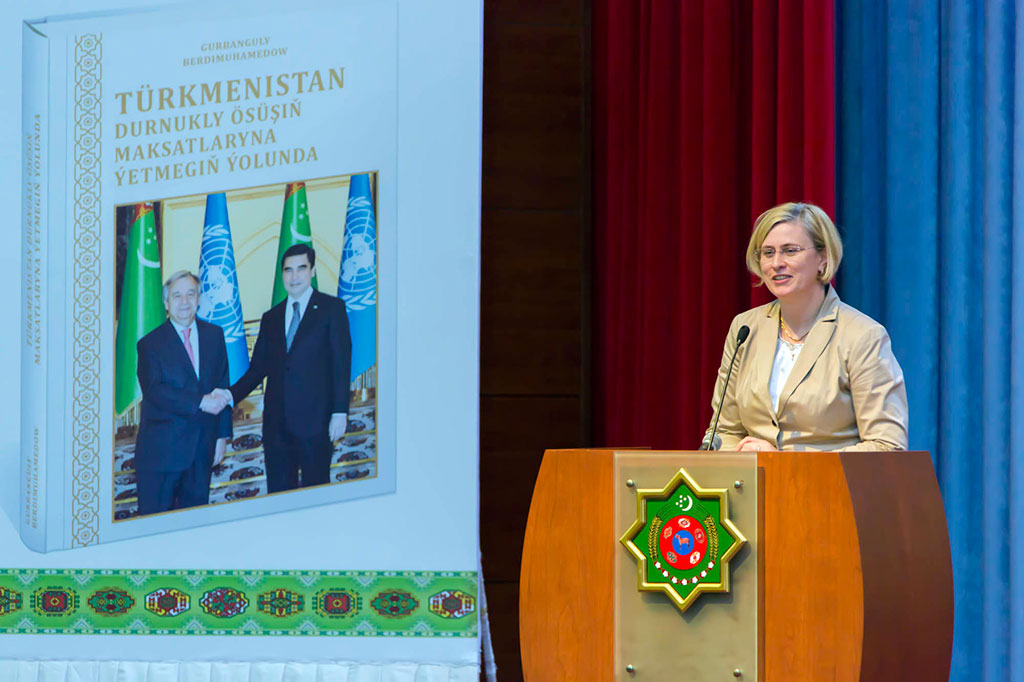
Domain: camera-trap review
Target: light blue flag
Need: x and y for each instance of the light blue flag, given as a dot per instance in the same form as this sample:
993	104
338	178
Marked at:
357	283
219	302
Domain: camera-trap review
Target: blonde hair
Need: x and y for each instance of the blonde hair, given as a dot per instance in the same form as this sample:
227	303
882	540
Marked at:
816	223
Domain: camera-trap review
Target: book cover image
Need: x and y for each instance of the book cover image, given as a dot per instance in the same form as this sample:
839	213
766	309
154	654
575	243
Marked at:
227	249
194	146
209	315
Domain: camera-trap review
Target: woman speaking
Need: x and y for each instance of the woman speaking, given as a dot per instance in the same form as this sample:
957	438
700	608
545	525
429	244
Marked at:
814	373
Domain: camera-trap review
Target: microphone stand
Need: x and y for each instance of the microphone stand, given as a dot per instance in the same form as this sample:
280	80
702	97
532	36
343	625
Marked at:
709	442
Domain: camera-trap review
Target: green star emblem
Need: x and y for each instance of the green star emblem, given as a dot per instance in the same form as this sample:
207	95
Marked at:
682	540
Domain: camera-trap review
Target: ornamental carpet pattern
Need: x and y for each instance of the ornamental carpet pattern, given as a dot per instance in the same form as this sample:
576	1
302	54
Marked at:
199	602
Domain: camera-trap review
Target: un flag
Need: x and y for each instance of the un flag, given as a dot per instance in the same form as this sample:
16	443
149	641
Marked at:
219	301
357	283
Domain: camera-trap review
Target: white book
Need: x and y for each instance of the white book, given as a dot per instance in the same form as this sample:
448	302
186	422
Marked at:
207	139
149	137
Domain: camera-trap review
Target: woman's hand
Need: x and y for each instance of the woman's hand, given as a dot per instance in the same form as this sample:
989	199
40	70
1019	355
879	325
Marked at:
751	444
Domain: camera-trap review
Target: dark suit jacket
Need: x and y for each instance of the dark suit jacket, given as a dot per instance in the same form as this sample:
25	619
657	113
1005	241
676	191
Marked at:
309	383
172	426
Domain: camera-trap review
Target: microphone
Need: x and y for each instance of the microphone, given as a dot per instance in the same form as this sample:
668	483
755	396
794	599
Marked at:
714	442
711	444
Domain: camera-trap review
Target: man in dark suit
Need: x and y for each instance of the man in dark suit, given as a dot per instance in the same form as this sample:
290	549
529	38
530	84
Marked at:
184	428
305	352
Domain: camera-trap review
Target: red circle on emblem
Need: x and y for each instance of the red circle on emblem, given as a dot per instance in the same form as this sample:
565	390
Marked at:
683	542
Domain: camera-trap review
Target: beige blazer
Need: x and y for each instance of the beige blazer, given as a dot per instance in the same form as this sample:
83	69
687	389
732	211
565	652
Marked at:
845	392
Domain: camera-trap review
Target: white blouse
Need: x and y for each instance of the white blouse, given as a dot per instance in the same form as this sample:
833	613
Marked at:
786	354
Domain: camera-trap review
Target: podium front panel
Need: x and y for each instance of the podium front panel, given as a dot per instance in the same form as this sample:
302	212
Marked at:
717	633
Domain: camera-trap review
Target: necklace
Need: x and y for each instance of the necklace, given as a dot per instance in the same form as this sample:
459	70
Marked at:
788	334
792	349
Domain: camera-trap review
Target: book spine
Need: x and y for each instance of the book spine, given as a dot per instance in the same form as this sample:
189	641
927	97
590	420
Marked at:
35	127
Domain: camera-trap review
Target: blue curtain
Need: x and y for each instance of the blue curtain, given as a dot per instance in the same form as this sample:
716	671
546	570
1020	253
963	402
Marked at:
931	205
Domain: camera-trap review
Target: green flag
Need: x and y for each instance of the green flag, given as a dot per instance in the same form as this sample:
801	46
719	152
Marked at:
142	307
294	230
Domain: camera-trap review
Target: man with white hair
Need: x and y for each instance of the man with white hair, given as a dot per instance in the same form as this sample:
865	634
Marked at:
184	428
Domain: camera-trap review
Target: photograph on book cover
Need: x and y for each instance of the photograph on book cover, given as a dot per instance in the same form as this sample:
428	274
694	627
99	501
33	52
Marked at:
261	252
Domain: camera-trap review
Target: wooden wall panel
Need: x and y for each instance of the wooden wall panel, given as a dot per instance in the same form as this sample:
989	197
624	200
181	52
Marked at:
502	600
533	112
558	12
535	336
514	434
530	316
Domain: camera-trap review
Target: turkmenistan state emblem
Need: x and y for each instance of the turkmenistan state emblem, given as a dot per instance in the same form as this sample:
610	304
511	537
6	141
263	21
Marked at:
683	540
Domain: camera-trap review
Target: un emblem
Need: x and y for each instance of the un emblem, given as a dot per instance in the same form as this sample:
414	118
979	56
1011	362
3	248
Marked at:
359	257
218	303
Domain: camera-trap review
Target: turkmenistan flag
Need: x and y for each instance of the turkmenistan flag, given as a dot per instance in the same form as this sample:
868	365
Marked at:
142	307
294	230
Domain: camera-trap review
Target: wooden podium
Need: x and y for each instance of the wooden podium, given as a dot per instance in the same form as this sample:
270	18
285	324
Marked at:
846	575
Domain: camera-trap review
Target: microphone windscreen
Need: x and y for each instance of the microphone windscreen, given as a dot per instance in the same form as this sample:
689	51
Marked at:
715	444
742	335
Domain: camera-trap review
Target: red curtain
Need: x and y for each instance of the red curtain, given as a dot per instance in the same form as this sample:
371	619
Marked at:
705	114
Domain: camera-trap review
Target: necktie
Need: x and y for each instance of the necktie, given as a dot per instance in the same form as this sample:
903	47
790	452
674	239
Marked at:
292	327
188	347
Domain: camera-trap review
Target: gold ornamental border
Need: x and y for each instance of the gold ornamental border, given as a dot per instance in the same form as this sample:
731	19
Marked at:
644	494
85	245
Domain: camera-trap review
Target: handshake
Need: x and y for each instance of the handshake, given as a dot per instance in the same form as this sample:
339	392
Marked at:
215	401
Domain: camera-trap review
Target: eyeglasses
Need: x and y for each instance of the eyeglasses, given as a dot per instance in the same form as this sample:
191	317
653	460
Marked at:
788	252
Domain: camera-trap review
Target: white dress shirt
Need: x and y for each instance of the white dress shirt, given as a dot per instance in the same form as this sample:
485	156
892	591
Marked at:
193	340
289	307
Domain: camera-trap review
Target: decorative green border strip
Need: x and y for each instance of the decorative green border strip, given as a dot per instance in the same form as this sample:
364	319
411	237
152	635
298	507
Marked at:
207	602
